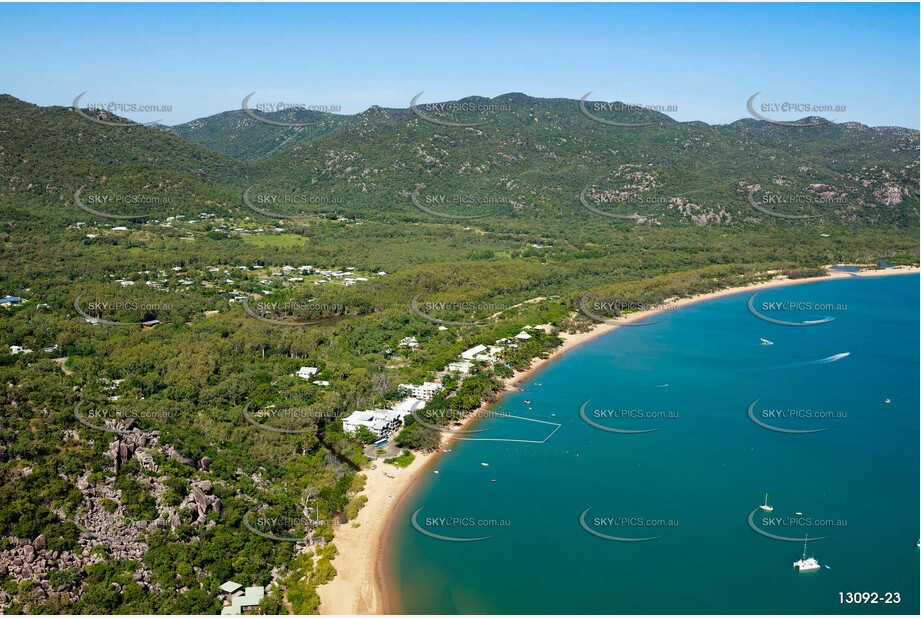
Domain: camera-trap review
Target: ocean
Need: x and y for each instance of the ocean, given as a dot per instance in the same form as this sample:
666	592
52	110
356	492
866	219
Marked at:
575	515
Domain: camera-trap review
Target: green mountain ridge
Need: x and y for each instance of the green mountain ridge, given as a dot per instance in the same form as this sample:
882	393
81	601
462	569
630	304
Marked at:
535	160
224	131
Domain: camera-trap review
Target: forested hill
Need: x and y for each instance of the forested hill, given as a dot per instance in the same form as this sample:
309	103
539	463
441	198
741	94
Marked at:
48	153
542	153
524	164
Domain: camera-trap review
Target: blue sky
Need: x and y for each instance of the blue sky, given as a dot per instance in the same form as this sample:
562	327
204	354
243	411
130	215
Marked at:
705	59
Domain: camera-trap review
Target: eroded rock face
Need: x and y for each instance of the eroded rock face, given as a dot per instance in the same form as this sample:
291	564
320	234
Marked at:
700	215
25	560
104	521
889	195
177	456
124	447
204	500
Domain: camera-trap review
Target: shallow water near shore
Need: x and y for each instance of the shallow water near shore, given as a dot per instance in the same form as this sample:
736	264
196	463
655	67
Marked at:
702	379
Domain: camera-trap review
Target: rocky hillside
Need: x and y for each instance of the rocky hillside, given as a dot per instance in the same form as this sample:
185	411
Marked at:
519	162
537	155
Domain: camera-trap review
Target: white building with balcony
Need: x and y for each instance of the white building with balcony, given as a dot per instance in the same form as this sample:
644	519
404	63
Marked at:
381	422
424	391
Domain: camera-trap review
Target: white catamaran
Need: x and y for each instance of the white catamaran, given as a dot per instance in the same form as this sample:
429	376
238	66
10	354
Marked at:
806	564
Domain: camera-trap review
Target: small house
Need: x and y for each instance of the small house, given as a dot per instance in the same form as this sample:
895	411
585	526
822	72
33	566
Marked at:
251	597
305	373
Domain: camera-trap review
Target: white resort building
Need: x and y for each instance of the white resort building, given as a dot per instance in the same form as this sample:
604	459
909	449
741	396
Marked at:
424	391
471	354
486	354
381	422
462	367
408	406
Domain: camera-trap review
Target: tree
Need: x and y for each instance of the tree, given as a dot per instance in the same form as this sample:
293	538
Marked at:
419	437
366	435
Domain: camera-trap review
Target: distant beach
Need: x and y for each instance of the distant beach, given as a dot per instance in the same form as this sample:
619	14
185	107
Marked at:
360	586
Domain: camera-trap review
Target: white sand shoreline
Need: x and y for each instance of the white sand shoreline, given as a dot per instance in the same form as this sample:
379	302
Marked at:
360	586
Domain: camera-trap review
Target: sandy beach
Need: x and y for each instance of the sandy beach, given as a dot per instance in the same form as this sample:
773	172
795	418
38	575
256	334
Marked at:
355	589
359	587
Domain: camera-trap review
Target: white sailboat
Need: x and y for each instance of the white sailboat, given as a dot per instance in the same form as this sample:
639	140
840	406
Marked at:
806	564
765	506
766	342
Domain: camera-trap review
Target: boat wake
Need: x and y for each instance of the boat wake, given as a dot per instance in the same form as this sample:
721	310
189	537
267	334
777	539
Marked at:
832	358
822	361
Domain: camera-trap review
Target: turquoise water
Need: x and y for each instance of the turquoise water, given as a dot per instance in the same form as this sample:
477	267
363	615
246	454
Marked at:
702	473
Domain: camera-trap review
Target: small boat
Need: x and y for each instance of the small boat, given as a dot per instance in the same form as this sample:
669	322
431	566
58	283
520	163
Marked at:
888	401
806	564
436	471
494	480
484	464
798	513
765	506
766	342
527	401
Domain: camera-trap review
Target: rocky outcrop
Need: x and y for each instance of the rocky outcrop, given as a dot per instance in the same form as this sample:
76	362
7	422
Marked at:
889	195
25	560
124	446
205	501
177	456
104	520
700	215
